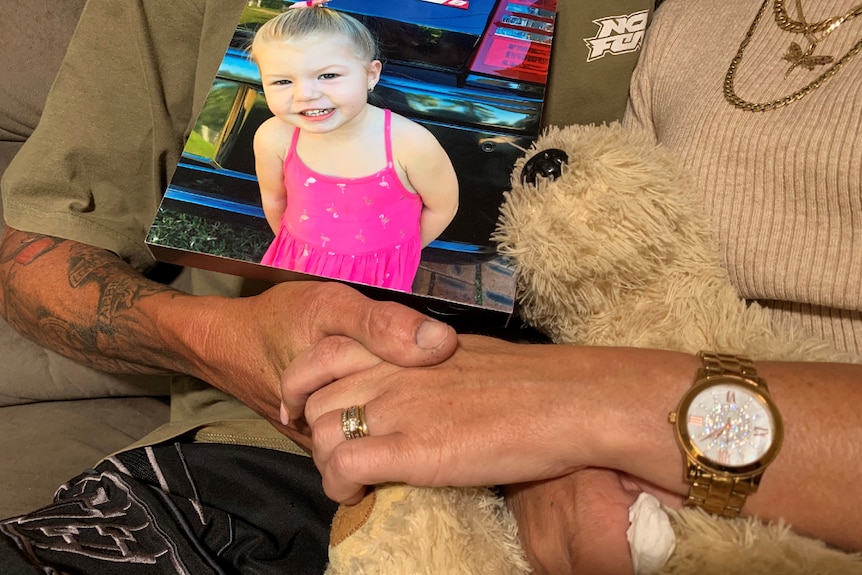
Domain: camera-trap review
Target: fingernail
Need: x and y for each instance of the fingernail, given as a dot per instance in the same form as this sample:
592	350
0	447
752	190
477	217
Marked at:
431	334
285	418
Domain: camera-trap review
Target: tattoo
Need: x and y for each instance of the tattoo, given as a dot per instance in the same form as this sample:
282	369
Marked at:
35	249
117	339
31	250
118	331
118	293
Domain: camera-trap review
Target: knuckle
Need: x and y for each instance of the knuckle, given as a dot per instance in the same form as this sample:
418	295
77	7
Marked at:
329	292
327	300
317	299
383	318
341	462
330	350
320	296
324	427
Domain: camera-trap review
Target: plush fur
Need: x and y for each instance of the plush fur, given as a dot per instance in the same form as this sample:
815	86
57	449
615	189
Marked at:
612	252
399	529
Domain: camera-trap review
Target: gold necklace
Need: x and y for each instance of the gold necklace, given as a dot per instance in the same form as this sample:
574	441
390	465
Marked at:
785	22
795	54
730	93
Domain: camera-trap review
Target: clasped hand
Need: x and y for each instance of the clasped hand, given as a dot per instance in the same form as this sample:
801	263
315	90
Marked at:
244	344
492	413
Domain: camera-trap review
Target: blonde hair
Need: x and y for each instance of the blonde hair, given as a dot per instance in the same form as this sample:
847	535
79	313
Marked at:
303	22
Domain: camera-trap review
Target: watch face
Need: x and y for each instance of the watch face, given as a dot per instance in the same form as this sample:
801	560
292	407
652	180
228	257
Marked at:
730	426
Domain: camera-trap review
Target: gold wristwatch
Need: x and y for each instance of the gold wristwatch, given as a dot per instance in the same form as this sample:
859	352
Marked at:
729	431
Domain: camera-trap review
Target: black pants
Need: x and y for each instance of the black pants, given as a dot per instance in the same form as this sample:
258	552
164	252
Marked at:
179	508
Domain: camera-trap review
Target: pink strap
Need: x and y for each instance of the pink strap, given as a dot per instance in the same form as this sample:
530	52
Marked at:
387	130
292	150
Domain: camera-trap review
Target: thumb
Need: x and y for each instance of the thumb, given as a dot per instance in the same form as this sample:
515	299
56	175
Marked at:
391	331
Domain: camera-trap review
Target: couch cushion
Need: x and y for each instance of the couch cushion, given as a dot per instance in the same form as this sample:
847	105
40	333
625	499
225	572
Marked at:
30	373
33	40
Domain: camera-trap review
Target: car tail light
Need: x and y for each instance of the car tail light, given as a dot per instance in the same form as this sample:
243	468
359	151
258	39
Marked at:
517	43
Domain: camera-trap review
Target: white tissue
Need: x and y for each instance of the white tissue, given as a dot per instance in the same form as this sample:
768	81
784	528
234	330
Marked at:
650	535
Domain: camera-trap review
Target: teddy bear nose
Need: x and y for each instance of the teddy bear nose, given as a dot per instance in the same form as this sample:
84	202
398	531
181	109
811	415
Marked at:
547	164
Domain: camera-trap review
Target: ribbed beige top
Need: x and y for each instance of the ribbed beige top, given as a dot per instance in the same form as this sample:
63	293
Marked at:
783	186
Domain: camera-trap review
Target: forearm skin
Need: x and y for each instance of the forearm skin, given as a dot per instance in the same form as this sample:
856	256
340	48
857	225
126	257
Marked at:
84	303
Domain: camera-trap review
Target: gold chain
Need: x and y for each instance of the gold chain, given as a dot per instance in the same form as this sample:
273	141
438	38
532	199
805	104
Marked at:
785	22
730	93
806	58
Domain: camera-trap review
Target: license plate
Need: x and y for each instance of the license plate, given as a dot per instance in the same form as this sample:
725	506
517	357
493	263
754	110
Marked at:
527	23
523	35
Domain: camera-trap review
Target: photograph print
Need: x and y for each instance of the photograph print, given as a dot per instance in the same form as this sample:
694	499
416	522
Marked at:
363	141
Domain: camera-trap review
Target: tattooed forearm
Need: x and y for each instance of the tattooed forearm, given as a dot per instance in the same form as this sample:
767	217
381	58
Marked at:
82	302
118	327
118	293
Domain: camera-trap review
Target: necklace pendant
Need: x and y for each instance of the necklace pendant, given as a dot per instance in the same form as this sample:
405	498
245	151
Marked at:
805	59
795	55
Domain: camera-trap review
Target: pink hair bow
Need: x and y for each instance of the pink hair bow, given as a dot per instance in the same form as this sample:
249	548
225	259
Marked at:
309	3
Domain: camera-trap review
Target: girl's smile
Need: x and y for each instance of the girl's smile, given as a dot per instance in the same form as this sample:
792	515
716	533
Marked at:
317	113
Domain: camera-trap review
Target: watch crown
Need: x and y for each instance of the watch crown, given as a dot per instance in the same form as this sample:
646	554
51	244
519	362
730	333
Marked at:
671	417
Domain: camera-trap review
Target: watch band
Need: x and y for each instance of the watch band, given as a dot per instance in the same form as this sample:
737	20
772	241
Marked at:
720	494
718	364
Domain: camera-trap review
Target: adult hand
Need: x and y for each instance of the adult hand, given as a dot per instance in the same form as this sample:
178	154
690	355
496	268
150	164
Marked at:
86	303
576	523
243	345
493	413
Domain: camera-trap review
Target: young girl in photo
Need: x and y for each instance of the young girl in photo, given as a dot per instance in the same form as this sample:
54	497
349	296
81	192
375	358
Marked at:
351	191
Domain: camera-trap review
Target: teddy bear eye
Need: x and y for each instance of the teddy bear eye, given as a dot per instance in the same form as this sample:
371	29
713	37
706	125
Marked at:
547	164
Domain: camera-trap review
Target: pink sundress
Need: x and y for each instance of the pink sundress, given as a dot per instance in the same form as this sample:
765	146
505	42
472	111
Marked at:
362	229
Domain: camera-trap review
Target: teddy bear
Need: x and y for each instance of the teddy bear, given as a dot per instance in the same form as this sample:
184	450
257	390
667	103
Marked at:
609	248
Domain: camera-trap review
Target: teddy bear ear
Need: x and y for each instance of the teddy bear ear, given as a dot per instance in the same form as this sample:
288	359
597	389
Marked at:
547	164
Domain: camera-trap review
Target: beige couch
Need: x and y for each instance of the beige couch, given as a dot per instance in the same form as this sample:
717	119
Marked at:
57	418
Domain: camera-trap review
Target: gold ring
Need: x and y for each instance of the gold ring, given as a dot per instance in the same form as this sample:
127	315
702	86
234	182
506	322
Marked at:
353	422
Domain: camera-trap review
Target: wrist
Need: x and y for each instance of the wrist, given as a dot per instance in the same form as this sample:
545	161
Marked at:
190	328
636	390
